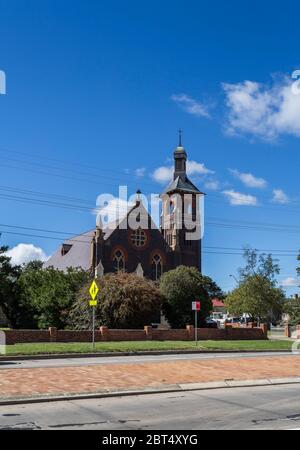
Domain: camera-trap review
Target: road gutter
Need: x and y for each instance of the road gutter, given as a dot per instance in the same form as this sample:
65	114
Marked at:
164	389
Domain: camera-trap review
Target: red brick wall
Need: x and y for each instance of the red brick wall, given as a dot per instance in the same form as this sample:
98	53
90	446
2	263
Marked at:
76	336
26	336
126	335
170	335
104	334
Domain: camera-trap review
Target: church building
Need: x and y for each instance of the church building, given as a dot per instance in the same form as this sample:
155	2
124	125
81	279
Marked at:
146	250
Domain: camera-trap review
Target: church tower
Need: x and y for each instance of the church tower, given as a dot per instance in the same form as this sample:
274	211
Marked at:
181	214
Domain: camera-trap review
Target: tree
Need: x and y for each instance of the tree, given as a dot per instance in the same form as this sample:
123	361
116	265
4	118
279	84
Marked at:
263	265
124	301
258	297
257	294
9	292
181	287
48	294
292	308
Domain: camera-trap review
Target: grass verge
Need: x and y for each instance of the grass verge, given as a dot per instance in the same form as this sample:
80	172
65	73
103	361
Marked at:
102	347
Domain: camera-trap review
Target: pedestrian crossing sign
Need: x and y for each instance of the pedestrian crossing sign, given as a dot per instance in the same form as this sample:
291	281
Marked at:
94	290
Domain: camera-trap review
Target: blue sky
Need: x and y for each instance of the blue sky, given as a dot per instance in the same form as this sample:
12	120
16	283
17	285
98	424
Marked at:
96	92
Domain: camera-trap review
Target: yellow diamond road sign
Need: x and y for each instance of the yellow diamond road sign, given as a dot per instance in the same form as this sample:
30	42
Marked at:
94	290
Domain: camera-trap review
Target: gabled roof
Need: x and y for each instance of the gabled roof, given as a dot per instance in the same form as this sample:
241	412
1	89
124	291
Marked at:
218	303
179	184
78	248
78	255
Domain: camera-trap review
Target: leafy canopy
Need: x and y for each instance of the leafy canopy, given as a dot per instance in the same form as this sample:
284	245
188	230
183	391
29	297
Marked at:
124	301
9	292
180	288
48	294
257	294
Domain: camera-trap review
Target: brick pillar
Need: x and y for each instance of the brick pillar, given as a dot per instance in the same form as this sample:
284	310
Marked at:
53	334
104	333
191	332
264	327
288	331
298	331
148	332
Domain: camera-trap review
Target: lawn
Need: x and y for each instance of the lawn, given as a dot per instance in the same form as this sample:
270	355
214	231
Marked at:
102	347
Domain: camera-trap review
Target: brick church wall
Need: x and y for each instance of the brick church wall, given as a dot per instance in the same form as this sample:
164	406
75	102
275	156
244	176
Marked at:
107	335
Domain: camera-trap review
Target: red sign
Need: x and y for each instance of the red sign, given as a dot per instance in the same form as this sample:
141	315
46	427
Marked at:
197	306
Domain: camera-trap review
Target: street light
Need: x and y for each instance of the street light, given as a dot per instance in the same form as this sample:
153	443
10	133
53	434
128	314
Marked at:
233	276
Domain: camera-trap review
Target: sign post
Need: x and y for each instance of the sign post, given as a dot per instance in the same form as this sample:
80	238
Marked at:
196	306
93	303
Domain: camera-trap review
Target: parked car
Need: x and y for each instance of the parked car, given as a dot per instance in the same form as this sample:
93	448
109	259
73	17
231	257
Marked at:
211	323
233	320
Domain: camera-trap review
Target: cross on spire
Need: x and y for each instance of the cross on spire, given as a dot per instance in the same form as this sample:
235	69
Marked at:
180	137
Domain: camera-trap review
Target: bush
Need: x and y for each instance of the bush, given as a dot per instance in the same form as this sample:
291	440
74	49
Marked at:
46	295
124	301
180	288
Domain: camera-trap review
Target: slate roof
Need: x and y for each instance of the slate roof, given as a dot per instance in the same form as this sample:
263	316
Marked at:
79	254
182	185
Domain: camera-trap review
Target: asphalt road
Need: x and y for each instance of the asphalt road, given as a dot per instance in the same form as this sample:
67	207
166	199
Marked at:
135	359
272	408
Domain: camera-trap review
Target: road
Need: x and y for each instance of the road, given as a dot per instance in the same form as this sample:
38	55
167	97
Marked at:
134	359
272	408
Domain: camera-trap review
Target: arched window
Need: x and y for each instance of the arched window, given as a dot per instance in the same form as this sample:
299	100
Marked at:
172	207
157	267
119	261
138	238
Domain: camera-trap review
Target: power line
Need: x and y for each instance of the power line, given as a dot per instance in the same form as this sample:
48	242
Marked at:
66	163
218	221
221	219
90	174
261	249
225	250
232	225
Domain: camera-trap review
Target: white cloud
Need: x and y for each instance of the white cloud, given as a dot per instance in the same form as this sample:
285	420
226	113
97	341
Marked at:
190	105
24	253
263	111
249	180
164	174
195	168
238	199
140	172
290	282
212	185
279	196
111	209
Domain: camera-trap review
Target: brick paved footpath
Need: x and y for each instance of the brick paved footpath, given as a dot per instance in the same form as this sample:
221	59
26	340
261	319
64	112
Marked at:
92	379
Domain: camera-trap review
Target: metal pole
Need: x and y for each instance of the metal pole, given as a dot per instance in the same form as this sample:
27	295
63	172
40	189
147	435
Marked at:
95	277
93	327
196	327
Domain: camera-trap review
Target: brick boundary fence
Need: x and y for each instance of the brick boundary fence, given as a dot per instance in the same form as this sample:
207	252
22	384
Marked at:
105	334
